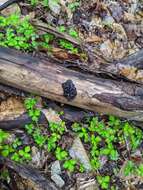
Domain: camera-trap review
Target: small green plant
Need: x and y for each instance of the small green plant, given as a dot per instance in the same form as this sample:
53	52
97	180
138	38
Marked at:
73	6
61	28
17	33
22	155
140	170
30	103
46	39
95	163
34	114
57	127
6	150
65	43
60	154
39	139
103	181
81	168
16	143
84	134
68	45
34	3
4	175
29	128
133	135
133	169
129	168
52	141
3	136
73	33
70	165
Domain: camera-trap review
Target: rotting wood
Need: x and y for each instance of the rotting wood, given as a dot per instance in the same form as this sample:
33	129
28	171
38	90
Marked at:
43	78
20	122
30	178
130	68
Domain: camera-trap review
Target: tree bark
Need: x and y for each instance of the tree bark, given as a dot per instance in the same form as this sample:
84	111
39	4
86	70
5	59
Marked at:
45	78
20	122
130	68
26	177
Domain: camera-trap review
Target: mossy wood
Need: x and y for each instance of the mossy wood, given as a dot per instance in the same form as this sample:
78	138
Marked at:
44	78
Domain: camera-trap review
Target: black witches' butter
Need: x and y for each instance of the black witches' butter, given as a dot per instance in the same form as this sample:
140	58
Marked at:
69	90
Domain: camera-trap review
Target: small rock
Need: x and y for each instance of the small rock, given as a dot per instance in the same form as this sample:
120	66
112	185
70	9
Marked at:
12	9
58	180
120	31
54	6
35	156
119	51
106	48
2	2
38	158
51	115
134	6
77	151
55	168
108	21
116	10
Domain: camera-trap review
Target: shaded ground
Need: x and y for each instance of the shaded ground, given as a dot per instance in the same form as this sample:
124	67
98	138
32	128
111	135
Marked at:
107	151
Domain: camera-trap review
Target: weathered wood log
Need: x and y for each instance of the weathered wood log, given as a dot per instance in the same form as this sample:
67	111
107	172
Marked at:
20	122
70	115
11	91
30	178
130	68
44	78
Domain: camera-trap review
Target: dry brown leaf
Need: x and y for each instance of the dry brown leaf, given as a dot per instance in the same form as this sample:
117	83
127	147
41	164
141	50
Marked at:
51	115
94	39
129	17
60	53
67	10
129	72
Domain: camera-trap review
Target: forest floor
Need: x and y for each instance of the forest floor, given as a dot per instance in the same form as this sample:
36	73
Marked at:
74	149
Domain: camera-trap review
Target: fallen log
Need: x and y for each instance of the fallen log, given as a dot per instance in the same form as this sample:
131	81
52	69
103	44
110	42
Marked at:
130	68
46	79
26	177
20	122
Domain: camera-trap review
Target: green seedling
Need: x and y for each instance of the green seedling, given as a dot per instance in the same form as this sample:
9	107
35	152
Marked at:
4	175
29	128
17	33
129	168
22	155
39	139
70	165
60	154
16	143
30	103
73	6
57	127
103	181
52	141
6	150
73	33
84	134
139	170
